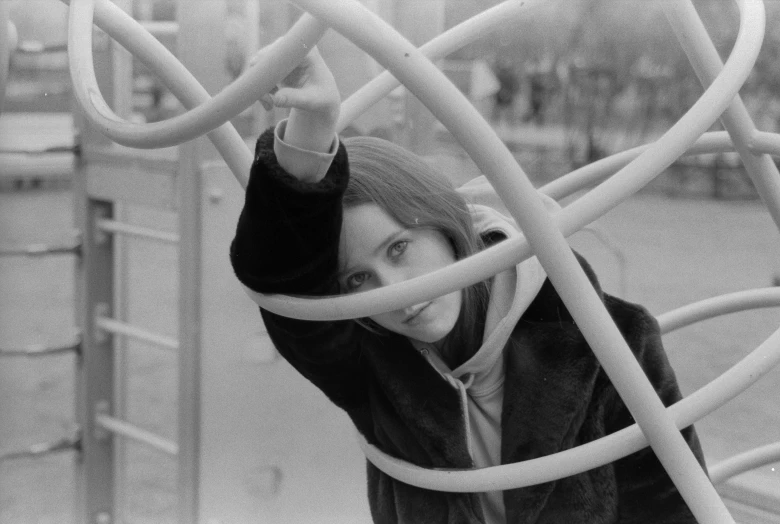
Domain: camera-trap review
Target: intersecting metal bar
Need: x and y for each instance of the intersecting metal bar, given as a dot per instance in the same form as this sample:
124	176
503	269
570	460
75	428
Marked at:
763	142
54	150
114	226
42	350
118	327
133	432
431	87
36	250
707	63
68	443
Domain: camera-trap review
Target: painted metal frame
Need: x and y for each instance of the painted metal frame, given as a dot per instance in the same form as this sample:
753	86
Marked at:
107	178
544	234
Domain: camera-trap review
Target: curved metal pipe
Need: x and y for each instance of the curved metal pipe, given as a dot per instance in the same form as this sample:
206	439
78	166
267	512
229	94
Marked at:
451	108
637	173
752	459
593	454
205	113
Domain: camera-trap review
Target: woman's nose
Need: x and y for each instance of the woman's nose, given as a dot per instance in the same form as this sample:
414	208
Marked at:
388	276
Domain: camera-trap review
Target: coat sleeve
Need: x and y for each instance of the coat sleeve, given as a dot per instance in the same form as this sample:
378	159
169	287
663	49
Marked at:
286	242
646	492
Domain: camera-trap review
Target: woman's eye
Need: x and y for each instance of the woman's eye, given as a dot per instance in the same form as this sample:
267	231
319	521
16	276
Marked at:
356	280
398	248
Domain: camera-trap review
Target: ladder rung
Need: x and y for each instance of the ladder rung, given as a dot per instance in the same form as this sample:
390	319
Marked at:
133	432
53	150
113	226
37	250
42	350
117	327
72	442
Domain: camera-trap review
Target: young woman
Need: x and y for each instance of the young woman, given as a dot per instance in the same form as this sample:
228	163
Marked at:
493	374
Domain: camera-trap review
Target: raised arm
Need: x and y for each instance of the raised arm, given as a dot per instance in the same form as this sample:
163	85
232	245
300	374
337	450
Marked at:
313	98
288	232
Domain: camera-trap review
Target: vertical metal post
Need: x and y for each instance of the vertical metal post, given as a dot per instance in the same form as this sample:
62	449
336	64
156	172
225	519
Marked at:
122	79
201	44
189	336
93	292
96	369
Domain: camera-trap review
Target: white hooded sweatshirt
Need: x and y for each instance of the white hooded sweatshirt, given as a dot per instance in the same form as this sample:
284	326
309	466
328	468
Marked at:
480	380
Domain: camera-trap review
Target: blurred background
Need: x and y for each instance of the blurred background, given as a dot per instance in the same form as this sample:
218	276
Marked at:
573	82
597	76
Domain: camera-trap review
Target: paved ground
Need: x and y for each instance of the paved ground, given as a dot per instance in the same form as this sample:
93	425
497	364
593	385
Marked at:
678	251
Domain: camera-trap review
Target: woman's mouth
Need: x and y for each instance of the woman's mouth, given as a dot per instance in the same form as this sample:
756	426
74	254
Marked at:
412	316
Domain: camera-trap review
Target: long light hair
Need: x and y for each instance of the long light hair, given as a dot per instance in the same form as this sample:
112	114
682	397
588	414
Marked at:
416	196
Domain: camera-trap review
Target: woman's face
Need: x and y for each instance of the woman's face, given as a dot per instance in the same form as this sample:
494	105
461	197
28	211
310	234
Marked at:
377	251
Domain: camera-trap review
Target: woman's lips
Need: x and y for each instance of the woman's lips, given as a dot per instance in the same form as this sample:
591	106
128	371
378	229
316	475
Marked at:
415	313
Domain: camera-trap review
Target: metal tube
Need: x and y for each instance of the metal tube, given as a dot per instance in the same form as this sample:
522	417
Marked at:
69	443
755	458
506	254
121	328
595	172
586	456
477	267
114	226
762	142
133	432
204	113
499	258
153	54
717	306
491	156
37	250
439	47
244	91
42	350
707	64
677	140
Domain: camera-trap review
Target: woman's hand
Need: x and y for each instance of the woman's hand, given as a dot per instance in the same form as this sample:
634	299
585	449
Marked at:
310	92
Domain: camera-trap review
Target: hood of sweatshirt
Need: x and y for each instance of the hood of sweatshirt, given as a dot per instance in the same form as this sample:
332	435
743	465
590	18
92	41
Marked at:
512	290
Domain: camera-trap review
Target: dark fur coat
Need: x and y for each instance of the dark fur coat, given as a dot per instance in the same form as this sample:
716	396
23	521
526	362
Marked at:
556	395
